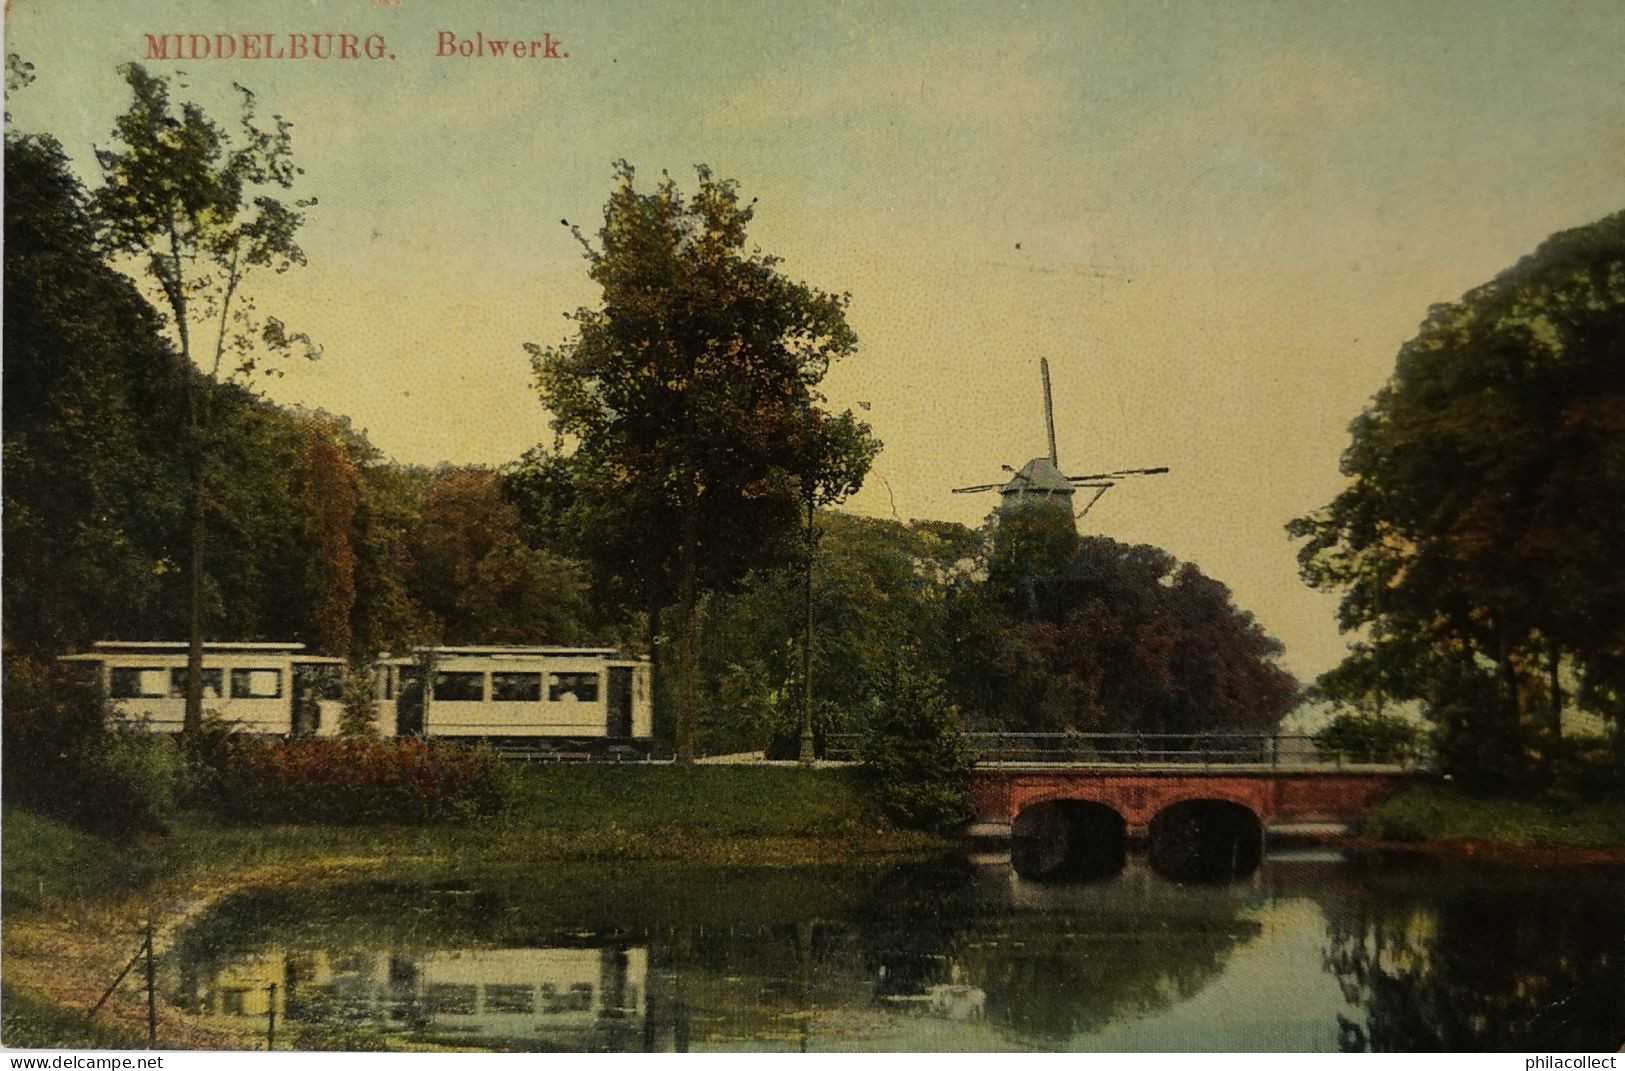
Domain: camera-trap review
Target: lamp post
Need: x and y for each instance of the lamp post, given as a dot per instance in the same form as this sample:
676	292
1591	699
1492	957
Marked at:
807	756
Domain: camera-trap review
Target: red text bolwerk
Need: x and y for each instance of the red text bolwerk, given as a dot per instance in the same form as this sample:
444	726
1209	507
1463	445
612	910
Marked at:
482	47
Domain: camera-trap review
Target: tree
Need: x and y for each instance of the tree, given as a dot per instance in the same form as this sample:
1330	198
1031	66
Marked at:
330	489
881	593
1478	542
389	515
475	577
690	399
1129	639
203	214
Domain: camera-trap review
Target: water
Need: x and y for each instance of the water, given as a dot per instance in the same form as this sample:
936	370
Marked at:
1307	953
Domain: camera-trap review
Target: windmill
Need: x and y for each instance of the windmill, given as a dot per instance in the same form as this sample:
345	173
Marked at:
1040	480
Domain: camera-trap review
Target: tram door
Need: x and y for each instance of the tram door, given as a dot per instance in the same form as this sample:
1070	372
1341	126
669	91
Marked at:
409	702
620	702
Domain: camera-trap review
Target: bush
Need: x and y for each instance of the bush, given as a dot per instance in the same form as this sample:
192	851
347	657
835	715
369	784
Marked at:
1362	738
64	756
915	757
351	780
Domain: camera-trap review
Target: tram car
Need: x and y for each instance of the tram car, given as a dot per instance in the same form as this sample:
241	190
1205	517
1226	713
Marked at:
267	688
538	700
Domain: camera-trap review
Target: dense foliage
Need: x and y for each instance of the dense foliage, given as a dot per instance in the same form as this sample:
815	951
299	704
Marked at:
64	756
1363	738
1027	628
1089	634
881	591
315	537
93	520
1479	540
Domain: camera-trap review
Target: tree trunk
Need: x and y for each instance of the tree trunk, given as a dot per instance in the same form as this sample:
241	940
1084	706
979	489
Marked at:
192	721
688	645
656	670
1553	660
1508	670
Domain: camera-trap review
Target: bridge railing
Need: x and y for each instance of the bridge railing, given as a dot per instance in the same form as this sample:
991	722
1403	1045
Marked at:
1274	750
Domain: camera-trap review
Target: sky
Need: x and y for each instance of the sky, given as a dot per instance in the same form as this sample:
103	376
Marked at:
1217	221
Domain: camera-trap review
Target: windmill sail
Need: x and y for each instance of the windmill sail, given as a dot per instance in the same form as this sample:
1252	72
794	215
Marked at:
1041	482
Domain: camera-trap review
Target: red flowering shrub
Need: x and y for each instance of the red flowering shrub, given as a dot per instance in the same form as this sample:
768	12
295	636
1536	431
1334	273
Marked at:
351	780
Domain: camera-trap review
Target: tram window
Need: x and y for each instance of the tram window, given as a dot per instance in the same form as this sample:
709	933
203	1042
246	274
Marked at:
444	999
520	999
577	998
214	686
516	687
88	674
460	687
256	684
131	683
581	687
321	682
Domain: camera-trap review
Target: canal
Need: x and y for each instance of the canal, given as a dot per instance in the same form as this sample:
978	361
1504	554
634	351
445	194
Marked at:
1307	952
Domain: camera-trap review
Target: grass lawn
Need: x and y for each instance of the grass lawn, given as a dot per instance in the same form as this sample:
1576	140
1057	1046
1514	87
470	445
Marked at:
1435	813
720	800
30	1023
702	814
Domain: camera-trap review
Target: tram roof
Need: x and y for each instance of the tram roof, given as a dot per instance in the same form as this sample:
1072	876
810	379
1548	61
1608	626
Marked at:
108	648
114	646
508	651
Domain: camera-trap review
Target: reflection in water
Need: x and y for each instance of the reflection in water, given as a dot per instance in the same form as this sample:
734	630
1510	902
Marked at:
589	997
1508	963
937	957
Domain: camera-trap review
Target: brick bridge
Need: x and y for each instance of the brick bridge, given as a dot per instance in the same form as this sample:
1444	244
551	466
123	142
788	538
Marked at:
1314	800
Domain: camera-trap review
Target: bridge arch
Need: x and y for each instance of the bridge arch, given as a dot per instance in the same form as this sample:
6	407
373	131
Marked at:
1061	835
1206	837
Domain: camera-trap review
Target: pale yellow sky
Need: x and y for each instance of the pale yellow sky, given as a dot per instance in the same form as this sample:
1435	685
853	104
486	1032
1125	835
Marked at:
1217	221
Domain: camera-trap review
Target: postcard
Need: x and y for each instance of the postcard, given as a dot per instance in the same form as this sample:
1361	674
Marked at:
824	527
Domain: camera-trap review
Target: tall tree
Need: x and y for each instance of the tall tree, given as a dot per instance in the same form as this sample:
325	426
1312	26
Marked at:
1478	542
204	214
330	488
690	395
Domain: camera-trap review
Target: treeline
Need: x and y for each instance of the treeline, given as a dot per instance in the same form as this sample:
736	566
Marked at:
1026	626
313	536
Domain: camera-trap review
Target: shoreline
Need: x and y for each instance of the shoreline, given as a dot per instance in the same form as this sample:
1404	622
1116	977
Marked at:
1485	851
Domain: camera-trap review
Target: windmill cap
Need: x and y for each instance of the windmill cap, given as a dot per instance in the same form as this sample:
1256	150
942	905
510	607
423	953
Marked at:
1037	477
